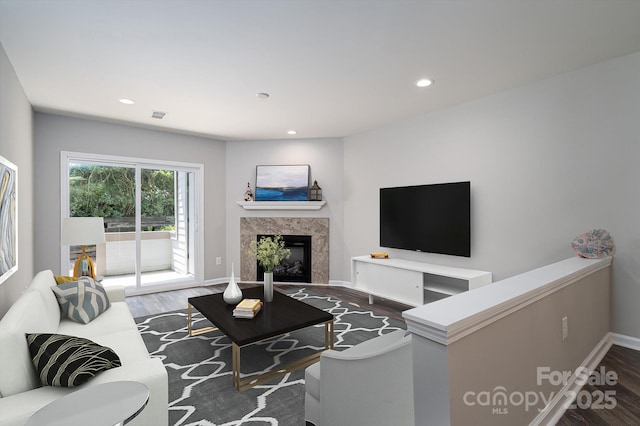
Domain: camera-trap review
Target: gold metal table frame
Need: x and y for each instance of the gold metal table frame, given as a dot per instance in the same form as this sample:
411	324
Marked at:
247	383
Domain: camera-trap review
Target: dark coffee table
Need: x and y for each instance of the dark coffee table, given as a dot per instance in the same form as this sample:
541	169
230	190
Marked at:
283	315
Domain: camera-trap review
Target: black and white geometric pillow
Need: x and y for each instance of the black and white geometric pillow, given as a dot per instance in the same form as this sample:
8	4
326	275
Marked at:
68	361
83	300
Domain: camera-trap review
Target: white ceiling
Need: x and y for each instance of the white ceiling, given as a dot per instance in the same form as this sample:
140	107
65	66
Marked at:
333	68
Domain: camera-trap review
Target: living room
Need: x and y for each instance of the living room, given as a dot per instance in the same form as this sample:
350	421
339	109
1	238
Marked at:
547	160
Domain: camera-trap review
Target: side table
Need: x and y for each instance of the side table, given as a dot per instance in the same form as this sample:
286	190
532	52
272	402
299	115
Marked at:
106	404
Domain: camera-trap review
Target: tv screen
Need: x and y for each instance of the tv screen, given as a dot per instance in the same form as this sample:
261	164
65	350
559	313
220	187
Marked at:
428	218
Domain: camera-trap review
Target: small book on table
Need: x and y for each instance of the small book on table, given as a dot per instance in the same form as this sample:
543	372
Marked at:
247	308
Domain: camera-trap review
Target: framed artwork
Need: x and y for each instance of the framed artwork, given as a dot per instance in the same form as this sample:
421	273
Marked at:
282	183
8	219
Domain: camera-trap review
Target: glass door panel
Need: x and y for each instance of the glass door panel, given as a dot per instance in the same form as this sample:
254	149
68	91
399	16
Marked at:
109	192
164	223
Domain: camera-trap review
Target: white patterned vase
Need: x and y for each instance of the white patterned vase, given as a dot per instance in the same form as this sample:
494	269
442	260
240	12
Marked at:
232	294
268	286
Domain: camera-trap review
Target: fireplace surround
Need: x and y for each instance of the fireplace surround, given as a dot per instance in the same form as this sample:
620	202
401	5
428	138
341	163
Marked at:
316	228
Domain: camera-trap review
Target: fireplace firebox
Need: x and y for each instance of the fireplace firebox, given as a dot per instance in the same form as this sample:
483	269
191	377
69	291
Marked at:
298	267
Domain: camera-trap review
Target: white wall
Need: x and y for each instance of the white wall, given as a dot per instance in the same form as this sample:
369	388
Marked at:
54	133
546	162
16	145
324	156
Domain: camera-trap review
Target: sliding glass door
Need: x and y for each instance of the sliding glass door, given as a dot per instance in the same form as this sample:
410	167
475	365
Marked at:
150	211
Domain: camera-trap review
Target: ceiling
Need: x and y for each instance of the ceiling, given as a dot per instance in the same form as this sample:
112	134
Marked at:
332	68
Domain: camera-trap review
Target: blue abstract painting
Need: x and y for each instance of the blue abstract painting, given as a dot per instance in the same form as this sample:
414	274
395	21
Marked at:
282	183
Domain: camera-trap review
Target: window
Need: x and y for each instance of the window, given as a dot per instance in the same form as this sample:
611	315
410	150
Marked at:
151	211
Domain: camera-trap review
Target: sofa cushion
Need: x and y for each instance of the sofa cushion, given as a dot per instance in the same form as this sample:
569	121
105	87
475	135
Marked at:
24	316
68	361
128	345
116	318
83	300
42	283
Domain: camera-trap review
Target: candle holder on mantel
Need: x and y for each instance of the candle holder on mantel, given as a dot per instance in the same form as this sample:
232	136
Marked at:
315	192
248	195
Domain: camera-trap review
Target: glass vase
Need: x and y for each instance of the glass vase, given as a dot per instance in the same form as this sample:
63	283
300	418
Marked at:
268	287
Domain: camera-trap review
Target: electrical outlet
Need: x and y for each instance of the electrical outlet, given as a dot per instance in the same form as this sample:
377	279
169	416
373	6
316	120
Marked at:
218	261
565	328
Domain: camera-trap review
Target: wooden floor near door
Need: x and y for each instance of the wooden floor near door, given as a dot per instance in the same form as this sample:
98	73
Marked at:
623	361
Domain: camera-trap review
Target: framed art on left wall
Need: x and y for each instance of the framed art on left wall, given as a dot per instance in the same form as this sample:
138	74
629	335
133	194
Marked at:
8	219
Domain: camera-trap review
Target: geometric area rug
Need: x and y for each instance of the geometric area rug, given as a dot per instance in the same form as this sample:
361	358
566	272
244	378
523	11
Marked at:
199	368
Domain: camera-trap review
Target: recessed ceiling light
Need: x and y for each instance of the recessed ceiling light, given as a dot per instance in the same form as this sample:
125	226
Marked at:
127	101
292	132
424	82
262	95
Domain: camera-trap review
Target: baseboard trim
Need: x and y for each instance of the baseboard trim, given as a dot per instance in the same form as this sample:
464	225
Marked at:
626	341
556	408
214	282
225	280
331	283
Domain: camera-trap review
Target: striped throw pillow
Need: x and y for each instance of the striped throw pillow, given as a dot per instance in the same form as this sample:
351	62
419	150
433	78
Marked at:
82	301
68	361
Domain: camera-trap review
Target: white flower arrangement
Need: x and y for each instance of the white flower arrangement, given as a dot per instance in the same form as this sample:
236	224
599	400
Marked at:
269	252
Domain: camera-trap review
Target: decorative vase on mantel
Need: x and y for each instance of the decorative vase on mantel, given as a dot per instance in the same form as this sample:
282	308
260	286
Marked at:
268	287
232	294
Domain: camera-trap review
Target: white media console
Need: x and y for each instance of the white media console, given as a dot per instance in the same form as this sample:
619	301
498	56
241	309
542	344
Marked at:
412	283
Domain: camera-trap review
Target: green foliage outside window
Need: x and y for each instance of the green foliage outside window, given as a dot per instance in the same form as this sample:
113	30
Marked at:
107	191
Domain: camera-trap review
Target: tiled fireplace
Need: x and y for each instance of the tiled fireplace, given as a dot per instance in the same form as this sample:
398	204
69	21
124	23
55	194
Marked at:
316	228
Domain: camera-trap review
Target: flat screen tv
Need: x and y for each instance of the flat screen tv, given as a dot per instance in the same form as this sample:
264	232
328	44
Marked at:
428	218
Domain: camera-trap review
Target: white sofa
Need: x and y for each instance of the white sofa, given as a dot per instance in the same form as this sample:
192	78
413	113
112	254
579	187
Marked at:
37	311
370	384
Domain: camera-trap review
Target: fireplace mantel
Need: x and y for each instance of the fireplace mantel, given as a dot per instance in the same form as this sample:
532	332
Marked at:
281	205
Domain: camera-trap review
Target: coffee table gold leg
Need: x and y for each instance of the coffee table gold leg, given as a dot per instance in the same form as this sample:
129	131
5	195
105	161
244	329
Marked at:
235	365
193	332
254	380
328	335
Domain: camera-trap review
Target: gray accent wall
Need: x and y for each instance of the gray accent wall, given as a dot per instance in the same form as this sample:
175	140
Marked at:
16	145
546	162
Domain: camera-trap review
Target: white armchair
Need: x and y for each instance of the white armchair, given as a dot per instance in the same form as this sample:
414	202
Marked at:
369	384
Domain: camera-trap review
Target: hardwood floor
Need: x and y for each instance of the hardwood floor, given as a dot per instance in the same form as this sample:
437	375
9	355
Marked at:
156	303
625	393
625	362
